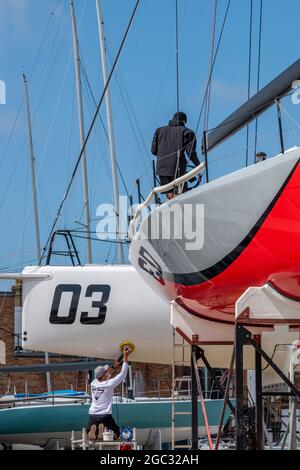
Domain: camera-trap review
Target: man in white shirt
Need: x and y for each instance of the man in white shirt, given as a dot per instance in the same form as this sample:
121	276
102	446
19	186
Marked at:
102	389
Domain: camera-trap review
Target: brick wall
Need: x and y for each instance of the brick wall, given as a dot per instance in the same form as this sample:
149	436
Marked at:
157	379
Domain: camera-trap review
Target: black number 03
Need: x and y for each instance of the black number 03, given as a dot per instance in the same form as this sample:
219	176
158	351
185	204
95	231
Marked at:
75	290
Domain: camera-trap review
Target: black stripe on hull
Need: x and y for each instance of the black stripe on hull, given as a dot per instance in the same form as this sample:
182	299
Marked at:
196	278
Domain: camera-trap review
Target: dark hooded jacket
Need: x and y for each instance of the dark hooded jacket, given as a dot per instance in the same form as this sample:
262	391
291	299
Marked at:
166	141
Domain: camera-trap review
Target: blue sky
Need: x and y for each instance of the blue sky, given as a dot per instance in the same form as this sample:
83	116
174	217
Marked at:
35	41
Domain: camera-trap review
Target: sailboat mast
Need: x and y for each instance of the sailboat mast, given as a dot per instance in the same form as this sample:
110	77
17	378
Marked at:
34	199
82	135
110	130
32	168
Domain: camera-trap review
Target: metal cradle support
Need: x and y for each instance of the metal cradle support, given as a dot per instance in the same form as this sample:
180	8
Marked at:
259	419
196	354
202	356
244	337
194	396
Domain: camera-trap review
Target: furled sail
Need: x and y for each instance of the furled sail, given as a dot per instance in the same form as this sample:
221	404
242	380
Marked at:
250	110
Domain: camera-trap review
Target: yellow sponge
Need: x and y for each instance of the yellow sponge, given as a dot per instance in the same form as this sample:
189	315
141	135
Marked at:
127	343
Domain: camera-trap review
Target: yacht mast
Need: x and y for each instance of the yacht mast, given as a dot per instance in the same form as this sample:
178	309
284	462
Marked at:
34	199
82	135
32	168
110	131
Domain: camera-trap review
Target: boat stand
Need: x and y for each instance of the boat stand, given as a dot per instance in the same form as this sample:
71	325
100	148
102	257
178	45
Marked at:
244	337
263	306
258	314
196	354
187	326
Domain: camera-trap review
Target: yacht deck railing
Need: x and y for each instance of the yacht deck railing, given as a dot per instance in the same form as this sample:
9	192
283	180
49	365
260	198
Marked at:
161	189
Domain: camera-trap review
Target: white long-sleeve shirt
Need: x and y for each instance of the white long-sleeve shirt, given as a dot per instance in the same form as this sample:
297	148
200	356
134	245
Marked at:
102	393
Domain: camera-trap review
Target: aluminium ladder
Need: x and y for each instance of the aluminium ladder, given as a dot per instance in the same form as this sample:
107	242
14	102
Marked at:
181	347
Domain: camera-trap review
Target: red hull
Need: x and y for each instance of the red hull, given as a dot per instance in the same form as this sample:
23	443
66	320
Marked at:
273	255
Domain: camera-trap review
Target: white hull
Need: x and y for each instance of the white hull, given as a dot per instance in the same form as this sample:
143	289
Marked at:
129	311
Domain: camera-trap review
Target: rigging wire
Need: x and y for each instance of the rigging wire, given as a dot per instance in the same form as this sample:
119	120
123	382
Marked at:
44	37
50	72
208	82
43	41
70	143
177	86
24	141
177	55
98	131
118	80
128	106
258	69
44	203
25	211
209	79
35	114
102	123
91	125
286	95
16	253
43	193
212	49
59	25
10	180
85	74
123	242
101	120
210	75
125	95
261	141
213	64
12	130
241	150
108	253
10	332
297	125
91	101
249	75
28	262
19	109
94	183
116	253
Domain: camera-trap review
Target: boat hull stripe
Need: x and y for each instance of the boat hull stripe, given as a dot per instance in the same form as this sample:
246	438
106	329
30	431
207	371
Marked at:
196	278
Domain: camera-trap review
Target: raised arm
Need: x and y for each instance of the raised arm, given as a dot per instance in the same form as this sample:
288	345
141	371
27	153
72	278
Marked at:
118	379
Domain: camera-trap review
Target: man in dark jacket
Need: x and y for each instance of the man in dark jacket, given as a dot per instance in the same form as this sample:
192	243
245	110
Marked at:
170	145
